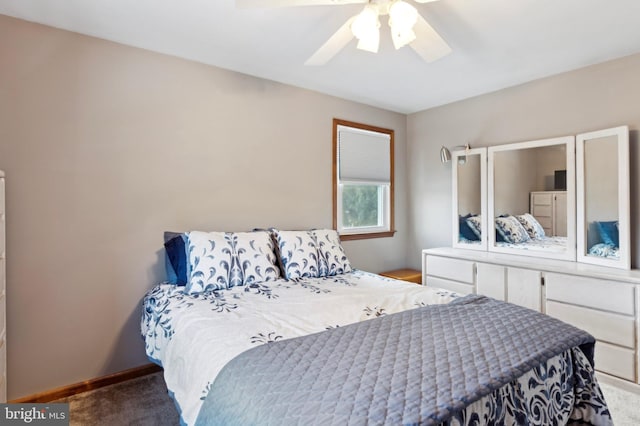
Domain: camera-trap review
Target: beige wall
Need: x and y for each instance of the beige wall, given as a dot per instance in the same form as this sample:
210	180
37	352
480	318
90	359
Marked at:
515	177
601	198
469	187
519	172
549	159
105	147
592	98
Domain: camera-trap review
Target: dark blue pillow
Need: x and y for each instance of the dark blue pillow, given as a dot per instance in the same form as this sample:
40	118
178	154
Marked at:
465	231
609	232
176	258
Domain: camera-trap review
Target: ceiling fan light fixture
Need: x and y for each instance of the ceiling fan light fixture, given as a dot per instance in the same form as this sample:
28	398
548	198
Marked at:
366	28
407	27
401	39
402	16
370	43
402	19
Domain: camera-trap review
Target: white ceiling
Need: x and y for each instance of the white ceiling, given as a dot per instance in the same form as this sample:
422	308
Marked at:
496	43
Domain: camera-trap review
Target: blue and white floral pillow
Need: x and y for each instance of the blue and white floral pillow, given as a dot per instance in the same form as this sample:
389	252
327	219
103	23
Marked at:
298	254
333	259
511	230
257	257
221	260
475	224
532	226
605	250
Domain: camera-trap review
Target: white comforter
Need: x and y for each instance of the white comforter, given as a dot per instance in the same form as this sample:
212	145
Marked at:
193	337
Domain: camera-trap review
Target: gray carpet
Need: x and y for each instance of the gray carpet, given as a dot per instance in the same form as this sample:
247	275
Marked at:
140	402
623	405
144	401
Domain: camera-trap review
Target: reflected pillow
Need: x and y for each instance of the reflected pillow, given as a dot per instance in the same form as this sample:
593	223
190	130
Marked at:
532	226
609	232
474	223
511	230
466	230
499	237
605	250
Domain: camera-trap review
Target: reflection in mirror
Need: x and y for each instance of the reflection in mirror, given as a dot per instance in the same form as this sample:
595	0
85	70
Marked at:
601	197
469	198
532	193
603	194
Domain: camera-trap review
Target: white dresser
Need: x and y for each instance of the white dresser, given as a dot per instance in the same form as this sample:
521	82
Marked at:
603	301
3	299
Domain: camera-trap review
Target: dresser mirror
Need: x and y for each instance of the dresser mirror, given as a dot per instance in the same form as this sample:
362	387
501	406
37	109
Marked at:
531	198
469	171
603	218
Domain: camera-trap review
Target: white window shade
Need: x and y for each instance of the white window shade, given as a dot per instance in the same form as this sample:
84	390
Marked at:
363	156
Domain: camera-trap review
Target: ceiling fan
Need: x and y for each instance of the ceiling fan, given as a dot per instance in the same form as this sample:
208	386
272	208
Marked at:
407	27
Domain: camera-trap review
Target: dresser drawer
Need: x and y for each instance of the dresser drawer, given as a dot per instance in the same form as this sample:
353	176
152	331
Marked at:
542	211
604	326
541	199
452	269
449	285
614	360
590	292
545	221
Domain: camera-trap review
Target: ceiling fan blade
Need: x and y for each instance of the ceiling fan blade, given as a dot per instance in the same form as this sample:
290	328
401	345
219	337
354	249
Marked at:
428	43
331	47
249	4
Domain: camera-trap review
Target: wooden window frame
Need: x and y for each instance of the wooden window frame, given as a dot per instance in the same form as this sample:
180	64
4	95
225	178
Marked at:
360	236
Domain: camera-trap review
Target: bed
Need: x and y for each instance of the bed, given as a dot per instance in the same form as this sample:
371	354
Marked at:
296	289
531	237
522	232
550	244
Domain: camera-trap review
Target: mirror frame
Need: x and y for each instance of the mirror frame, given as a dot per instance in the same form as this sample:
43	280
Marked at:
570	252
624	215
455	155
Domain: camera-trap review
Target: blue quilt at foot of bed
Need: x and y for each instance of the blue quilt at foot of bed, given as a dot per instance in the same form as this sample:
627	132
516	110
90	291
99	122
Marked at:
423	366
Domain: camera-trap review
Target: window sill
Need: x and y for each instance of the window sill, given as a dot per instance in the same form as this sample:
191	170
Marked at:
348	237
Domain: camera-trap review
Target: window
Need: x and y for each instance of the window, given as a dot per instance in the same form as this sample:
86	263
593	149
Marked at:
362	180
